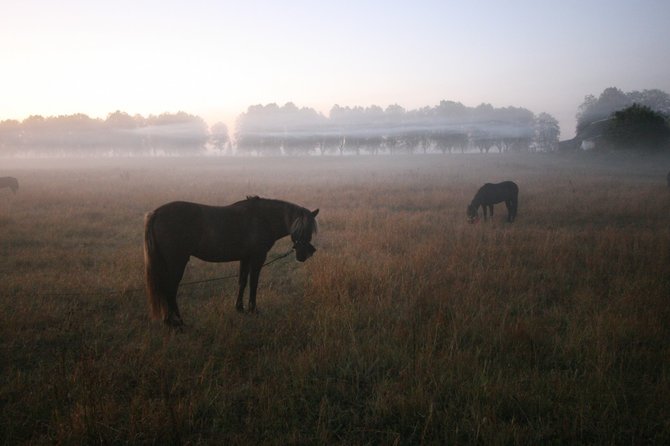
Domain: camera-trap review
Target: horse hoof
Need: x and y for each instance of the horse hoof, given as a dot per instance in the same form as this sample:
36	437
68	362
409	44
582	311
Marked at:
174	324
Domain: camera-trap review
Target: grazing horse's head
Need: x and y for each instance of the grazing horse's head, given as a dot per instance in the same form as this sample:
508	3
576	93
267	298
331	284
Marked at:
473	215
301	235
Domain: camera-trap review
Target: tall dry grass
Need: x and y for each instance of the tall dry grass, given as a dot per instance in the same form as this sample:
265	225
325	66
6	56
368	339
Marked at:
408	326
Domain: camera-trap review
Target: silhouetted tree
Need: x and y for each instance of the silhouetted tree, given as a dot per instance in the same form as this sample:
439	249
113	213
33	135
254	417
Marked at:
655	99
613	99
638	128
219	137
447	140
595	109
547	132
329	142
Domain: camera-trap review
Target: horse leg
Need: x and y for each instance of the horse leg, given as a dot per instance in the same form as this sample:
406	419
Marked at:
256	265
490	210
173	317
242	281
511	210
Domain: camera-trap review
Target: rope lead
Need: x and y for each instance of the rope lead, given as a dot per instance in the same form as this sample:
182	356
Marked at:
134	290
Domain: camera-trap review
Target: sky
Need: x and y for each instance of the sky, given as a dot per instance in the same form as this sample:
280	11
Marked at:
216	58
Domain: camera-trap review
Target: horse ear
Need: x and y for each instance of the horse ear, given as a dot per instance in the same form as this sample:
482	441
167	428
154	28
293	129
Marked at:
315	213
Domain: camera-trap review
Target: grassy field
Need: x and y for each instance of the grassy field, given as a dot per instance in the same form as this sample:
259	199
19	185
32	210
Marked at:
408	326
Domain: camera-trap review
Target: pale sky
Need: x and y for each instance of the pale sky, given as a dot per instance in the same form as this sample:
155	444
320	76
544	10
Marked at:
216	58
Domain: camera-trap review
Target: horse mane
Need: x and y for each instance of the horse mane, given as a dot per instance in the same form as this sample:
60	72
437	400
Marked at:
304	225
250	199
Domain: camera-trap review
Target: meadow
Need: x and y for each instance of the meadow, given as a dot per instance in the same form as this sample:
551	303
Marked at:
408	326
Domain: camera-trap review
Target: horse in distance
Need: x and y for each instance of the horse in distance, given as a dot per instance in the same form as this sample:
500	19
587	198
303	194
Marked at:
9	182
244	231
490	194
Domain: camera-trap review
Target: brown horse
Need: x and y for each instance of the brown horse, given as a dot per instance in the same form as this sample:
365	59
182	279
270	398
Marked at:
244	231
490	194
9	182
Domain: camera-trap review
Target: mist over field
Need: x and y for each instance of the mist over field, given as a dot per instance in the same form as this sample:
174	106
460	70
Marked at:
407	326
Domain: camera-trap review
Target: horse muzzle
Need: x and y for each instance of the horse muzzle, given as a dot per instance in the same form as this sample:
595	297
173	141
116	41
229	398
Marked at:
303	251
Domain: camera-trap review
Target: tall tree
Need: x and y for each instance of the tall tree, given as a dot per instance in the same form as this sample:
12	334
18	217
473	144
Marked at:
219	137
610	100
655	99
547	132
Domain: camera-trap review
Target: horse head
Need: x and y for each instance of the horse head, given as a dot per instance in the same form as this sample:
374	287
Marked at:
302	230
473	215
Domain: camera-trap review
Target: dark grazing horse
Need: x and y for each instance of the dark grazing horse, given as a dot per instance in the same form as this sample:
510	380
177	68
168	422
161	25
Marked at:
490	194
243	231
9	182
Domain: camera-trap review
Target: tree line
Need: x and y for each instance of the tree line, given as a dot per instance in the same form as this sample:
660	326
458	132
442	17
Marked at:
615	119
118	134
633	121
288	130
449	126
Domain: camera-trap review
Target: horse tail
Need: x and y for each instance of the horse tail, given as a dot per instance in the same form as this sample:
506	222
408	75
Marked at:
515	199
154	271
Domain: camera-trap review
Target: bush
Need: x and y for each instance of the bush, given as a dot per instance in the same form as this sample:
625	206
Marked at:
638	128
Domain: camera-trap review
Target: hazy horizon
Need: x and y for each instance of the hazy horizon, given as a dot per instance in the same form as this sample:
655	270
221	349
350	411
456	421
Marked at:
216	59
